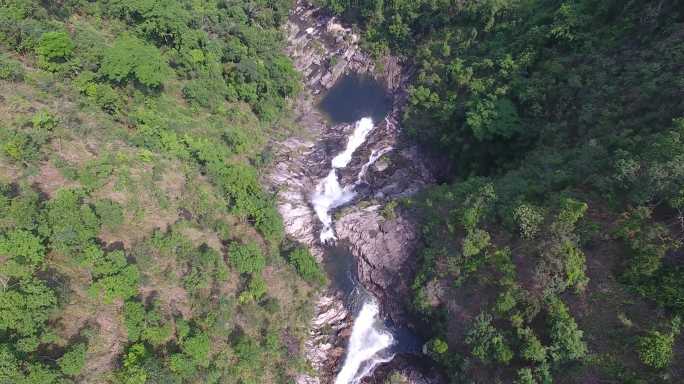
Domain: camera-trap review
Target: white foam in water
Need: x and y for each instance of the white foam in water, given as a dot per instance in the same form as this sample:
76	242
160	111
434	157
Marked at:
367	340
374	156
363	127
329	194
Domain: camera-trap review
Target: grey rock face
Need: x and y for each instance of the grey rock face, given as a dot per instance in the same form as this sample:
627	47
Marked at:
385	250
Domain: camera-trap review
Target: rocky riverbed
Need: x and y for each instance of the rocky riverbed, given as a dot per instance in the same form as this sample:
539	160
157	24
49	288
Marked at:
384	167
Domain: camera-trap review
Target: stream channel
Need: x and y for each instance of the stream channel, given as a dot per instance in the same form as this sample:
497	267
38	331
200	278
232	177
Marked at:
361	101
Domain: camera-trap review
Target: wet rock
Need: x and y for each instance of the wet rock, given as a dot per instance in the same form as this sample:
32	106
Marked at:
385	252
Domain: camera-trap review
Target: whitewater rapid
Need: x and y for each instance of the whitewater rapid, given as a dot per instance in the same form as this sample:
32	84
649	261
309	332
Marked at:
366	344
329	194
369	341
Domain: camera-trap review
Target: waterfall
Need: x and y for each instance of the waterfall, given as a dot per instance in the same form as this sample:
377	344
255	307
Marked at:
374	156
329	194
362	129
368	340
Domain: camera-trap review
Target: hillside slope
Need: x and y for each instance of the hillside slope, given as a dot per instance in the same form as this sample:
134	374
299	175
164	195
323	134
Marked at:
552	247
136	243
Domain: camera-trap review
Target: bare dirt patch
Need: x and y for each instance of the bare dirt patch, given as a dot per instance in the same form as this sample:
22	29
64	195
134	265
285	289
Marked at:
49	179
110	340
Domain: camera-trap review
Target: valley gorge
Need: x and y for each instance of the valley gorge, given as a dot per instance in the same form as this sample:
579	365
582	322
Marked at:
331	187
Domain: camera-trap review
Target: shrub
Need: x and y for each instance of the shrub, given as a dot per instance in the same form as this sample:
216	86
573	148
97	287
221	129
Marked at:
476	241
247	258
131	56
206	268
438	346
53	49
486	342
256	289
72	224
10	69
207	91
647	242
18	146
132	372
525	376
250	360
655	349
529	219
105	97
24	309
134	319
197	349
20	212
566	337
44	120
22	253
73	361
389	210
531	348
114	278
110	214
306	265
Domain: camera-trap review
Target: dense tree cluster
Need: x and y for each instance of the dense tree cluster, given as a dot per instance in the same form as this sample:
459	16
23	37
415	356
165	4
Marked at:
557	126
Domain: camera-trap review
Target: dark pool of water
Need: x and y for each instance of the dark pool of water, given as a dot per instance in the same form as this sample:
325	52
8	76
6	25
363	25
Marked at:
355	96
340	266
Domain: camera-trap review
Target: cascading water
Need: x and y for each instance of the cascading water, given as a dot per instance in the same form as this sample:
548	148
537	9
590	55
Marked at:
374	156
369	342
329	193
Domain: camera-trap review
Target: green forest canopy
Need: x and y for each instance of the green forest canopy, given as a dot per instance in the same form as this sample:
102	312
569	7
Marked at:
553	245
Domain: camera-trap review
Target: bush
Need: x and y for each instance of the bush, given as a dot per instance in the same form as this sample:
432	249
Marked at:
256	289
207	91
655	348
206	268
529	219
44	120
531	348
22	253
110	214
134	319
24	309
131	56
53	49
114	278
72	225
247	258
486	342
566	337
73	361
525	376
18	146
10	69
306	265
197	349
105	97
